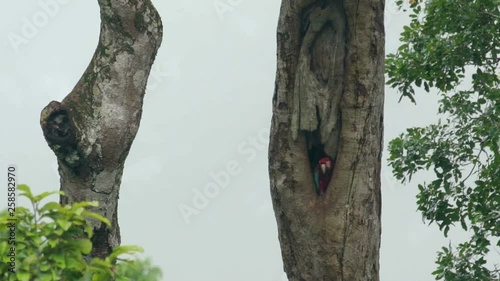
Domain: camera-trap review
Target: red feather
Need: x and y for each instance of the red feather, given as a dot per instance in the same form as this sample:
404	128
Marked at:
324	177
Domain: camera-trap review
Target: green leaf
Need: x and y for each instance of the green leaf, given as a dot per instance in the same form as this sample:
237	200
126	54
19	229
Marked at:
120	250
83	245
44	267
50	206
418	82
59	260
65	225
40	197
85	204
26	191
96	216
23	276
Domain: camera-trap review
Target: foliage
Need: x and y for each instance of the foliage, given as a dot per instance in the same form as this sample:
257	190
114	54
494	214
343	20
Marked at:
51	243
454	46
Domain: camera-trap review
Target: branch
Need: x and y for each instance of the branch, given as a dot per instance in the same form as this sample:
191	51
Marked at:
92	129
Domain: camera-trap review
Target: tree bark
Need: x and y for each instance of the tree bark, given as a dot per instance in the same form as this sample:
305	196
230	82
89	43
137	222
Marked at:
329	95
92	129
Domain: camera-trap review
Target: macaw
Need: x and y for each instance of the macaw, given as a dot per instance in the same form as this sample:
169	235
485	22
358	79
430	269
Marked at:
323	174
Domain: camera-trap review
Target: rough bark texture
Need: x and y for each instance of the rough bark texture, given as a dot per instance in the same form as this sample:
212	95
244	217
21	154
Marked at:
329	94
92	129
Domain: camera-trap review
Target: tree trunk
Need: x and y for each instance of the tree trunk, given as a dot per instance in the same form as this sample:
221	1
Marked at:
92	129
328	100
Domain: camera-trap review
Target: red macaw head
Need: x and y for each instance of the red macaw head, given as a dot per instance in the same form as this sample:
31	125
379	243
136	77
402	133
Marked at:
325	169
325	164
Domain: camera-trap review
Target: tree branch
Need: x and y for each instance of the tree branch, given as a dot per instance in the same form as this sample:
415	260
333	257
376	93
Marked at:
92	129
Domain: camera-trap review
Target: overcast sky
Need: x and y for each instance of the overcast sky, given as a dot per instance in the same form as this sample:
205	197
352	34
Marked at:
207	110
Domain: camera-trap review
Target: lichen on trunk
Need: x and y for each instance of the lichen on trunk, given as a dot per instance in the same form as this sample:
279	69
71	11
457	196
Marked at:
92	129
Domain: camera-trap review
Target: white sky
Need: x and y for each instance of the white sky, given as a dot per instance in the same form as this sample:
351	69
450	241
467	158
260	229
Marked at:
208	106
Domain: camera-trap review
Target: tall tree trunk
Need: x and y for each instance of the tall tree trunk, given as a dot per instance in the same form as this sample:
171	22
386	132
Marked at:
92	129
328	100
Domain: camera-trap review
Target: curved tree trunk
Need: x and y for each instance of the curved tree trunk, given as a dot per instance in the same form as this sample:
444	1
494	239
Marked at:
328	100
92	129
